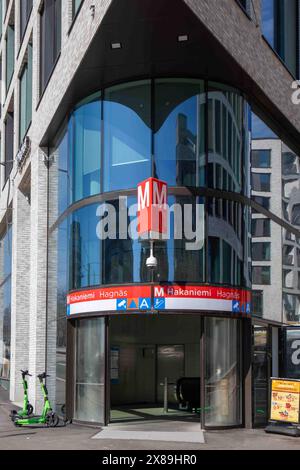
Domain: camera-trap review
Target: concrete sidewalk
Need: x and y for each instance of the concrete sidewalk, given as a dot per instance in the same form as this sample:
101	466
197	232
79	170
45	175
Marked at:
74	437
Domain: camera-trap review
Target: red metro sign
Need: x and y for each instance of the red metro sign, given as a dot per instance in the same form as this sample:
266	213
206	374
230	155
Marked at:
152	209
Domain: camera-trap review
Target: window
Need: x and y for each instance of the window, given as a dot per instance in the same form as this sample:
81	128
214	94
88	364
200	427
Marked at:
86	149
296	214
261	158
261	275
261	228
179	140
25	10
127	135
279	27
261	182
9	144
225	133
50	39
10	54
257	303
261	251
262	201
291	308
26	95
75	7
289	164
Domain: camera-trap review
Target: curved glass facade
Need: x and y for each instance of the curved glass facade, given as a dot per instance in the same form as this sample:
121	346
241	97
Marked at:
191	134
186	132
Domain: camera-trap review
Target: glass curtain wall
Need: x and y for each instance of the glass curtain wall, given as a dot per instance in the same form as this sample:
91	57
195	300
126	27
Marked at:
179	133
127	135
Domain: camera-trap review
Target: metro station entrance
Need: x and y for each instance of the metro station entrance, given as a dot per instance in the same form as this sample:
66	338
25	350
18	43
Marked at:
139	367
155	367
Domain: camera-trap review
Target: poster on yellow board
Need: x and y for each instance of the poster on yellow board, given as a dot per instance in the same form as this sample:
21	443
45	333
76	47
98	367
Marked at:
285	400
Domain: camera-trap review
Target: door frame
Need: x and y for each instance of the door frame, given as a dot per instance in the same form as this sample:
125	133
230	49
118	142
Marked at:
245	367
71	370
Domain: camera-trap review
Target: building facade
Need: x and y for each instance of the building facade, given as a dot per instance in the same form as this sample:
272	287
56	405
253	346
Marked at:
92	105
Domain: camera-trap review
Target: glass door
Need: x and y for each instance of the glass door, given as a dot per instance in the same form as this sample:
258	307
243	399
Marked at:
89	399
261	374
223	385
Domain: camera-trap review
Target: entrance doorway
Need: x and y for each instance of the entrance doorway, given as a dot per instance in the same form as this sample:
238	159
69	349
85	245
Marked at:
155	367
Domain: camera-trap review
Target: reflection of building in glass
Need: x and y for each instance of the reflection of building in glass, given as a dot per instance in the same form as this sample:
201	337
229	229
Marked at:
275	179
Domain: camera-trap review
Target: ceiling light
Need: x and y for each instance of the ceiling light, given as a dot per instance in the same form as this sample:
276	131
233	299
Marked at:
182	38
116	45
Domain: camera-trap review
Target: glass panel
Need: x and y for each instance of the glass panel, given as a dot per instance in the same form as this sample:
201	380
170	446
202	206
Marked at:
124	260
261	158
90	370
262	201
261	251
291	308
222	372
25	10
85	248
10	54
179	140
226	251
50	38
261	228
267	16
26	95
292	353
257	303
86	150
261	182
225	123
127	135
261	275
9	144
261	375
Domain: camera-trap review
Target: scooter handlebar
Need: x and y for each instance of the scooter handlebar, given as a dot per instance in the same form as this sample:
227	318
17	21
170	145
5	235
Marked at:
25	372
43	376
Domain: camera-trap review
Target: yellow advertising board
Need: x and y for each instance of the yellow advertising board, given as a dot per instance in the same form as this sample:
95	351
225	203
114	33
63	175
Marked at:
285	400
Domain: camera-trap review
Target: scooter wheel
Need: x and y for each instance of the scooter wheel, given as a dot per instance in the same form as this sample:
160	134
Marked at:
52	420
29	410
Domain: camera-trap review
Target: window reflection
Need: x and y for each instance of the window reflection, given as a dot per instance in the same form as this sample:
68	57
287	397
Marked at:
225	138
85	249
179	141
86	149
127	135
226	252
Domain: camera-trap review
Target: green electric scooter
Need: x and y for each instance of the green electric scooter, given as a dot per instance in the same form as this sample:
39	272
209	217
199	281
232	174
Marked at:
48	417
27	409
